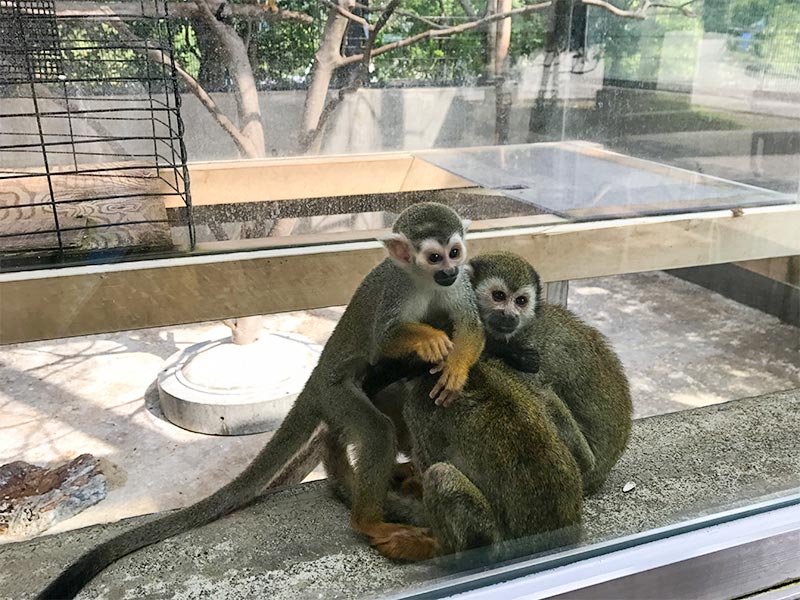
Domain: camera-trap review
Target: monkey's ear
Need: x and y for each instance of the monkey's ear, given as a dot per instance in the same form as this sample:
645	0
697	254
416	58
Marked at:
399	247
465	223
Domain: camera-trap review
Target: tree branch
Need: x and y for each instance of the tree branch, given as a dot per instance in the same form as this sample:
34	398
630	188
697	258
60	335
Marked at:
242	143
405	13
346	13
180	10
431	33
467	8
358	79
246	93
641	12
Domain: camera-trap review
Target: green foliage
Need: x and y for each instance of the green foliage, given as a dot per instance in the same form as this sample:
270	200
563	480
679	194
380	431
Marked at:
663	46
284	51
184	42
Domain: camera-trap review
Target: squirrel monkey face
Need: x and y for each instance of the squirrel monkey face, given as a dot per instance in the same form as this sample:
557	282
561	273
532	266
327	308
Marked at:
507	290
434	257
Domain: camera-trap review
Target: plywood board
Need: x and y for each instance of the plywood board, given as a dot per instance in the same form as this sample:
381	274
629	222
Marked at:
93	210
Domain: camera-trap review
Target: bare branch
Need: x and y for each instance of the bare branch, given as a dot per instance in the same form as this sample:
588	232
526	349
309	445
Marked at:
436	33
242	143
405	13
180	10
247	106
684	8
358	80
346	13
467	8
641	12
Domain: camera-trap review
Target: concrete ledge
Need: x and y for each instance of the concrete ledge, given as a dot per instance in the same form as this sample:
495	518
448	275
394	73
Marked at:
295	543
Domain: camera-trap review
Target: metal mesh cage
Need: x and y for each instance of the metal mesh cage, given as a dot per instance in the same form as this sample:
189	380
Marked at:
91	136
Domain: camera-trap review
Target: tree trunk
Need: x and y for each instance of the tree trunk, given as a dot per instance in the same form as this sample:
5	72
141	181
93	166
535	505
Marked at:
238	64
502	91
244	330
326	61
491	41
212	74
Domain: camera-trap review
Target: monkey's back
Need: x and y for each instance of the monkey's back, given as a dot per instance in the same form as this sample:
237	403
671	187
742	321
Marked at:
352	342
588	376
499	435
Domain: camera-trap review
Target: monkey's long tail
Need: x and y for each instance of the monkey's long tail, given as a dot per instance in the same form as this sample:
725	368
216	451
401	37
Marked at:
290	439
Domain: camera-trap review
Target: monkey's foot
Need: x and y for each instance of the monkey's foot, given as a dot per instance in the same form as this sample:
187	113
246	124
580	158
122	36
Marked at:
406	543
406	480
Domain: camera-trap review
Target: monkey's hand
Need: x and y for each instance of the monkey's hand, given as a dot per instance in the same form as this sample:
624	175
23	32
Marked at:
434	346
526	360
428	343
451	381
468	347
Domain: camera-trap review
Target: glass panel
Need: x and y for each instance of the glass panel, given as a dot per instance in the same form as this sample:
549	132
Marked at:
551	126
588	185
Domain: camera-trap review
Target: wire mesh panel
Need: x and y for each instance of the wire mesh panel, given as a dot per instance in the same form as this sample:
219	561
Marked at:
91	137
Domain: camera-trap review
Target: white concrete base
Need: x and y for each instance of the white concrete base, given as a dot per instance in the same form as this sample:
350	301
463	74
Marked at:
222	388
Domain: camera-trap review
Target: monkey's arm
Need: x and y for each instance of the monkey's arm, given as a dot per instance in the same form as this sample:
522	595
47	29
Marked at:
569	431
428	343
468	343
516	353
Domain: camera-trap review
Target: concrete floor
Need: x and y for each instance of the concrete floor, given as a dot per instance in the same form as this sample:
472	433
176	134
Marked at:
682	346
296	544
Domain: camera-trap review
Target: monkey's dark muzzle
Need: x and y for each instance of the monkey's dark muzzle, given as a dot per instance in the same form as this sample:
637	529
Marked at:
446	278
502	323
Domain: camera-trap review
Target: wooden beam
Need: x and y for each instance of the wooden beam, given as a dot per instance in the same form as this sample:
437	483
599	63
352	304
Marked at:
785	269
74	301
224	182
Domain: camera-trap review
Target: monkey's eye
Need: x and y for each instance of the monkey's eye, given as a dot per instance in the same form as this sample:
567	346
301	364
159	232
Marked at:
498	296
521	300
434	258
455	252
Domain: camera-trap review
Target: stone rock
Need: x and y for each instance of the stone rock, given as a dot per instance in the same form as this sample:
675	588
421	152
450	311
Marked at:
33	499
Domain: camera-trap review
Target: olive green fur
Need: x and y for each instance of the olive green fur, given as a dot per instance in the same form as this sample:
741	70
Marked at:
577	407
580	365
428	220
332	397
493	465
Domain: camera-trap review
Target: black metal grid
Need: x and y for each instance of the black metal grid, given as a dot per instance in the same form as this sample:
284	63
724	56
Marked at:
90	128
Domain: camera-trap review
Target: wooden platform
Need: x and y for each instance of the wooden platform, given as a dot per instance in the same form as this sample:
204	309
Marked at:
97	210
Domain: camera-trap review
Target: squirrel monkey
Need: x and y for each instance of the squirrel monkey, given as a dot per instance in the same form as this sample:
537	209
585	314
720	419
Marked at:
548	344
564	352
494	467
422	277
558	375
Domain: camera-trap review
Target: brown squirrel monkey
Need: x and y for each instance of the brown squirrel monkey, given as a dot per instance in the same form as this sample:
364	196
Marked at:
559	375
549	347
420	280
494	467
594	416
